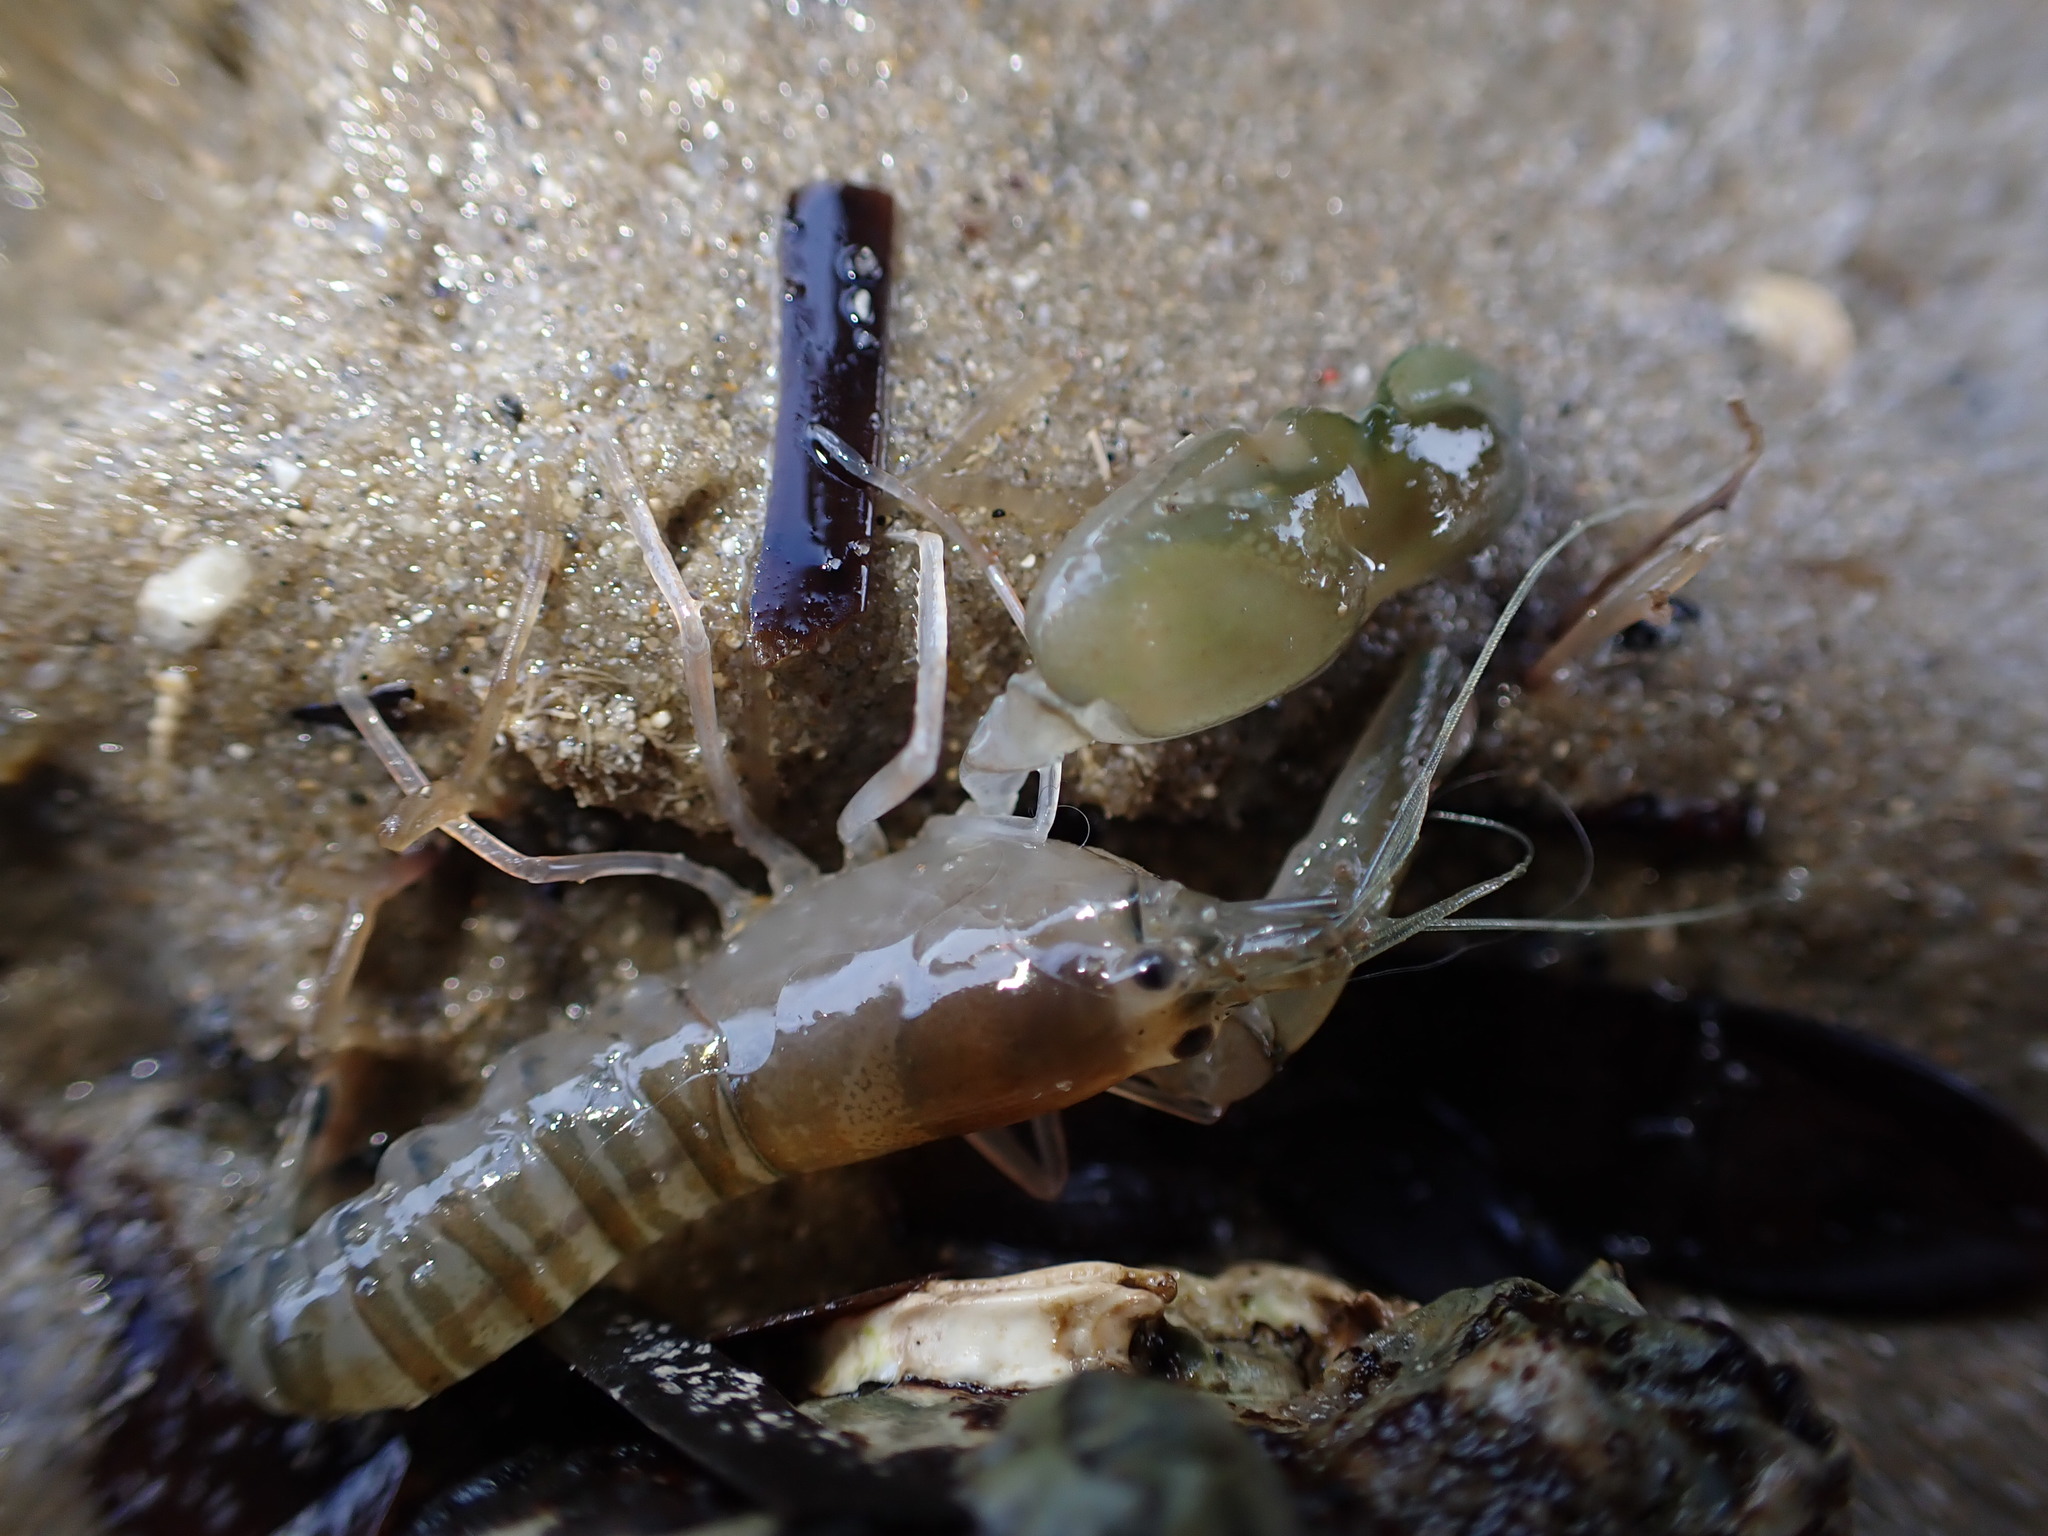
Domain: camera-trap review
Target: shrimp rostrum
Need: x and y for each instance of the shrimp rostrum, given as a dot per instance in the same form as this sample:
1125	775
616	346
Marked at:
975	978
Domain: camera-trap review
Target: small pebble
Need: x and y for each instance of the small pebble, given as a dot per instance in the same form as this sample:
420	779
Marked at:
179	609
1796	319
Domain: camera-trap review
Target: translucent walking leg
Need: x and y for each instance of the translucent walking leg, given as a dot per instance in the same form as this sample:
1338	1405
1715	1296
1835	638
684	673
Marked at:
444	800
918	759
1141	1090
913	488
271	1219
786	865
731	898
1040	1170
1003	409
352	941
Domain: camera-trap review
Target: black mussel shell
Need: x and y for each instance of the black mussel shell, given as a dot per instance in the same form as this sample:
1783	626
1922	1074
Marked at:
1734	1148
591	1491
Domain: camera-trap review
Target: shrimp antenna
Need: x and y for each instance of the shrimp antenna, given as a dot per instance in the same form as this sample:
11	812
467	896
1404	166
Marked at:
1684	915
1406	824
1550	792
1438	916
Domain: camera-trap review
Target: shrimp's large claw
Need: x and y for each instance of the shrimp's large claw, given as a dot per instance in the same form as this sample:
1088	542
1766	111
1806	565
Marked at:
1242	563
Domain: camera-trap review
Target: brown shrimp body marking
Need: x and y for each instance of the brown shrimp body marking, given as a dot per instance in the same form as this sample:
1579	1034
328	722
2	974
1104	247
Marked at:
978	977
972	979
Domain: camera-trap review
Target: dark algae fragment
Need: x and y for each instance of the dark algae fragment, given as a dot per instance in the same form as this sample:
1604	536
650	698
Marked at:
812	576
388	699
1111	1455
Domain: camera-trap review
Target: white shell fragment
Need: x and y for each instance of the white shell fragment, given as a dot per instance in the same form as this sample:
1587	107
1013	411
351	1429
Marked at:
180	608
1797	319
1011	1332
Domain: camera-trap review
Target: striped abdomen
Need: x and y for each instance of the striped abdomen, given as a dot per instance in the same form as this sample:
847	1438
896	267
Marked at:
484	1228
969	980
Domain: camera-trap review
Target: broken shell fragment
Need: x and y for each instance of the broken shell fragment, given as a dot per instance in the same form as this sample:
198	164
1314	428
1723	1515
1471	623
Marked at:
910	1416
1278	1297
179	609
1010	1332
1258	1335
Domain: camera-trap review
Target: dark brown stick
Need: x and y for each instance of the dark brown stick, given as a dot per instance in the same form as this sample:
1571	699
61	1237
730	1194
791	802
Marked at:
812	576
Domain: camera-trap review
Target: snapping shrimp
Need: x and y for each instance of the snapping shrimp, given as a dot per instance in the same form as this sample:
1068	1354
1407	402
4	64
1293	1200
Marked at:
977	977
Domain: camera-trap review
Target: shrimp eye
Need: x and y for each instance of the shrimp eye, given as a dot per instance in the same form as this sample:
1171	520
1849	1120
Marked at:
1153	972
1194	1042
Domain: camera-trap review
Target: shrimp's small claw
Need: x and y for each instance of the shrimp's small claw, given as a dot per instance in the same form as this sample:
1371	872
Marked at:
836	450
1003	409
1641	586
